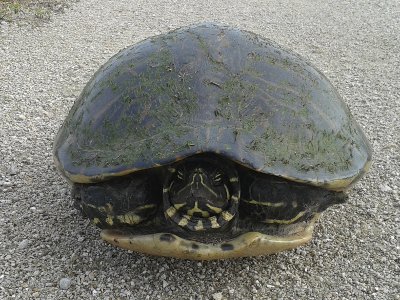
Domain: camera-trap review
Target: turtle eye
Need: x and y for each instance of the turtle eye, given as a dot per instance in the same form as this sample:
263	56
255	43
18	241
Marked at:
217	178
180	175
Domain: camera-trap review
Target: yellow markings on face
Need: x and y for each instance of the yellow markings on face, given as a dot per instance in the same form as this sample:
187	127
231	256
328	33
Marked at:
179	205
201	182
218	175
170	185
217	210
228	195
290	221
217	178
234	179
214	223
270	204
171	211
205	185
227	216
199	226
184	221
235	198
96	221
172	170
195	209
180	175
294	204
165	190
109	220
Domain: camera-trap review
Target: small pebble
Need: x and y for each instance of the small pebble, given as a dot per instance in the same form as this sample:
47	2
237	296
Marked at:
164	284
12	170
23	244
65	283
217	296
385	188
21	117
270	286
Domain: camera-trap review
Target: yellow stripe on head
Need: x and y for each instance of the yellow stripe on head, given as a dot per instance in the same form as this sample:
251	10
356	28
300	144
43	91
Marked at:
214	222
199	226
171	211
183	222
227	216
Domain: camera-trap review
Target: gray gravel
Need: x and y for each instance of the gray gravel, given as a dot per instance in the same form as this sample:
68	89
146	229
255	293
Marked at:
48	251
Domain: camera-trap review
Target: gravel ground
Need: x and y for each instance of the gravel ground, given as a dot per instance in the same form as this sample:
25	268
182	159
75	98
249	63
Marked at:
49	252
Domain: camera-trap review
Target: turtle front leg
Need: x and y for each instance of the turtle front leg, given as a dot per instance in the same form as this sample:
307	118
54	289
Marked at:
276	201
121	202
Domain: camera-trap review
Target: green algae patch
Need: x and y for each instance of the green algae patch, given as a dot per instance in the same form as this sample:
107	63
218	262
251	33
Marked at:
211	88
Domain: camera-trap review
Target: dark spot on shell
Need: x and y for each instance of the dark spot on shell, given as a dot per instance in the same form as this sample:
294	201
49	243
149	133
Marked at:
167	238
226	247
195	246
116	241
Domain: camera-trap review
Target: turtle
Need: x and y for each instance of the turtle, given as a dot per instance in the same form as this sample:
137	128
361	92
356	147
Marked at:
209	142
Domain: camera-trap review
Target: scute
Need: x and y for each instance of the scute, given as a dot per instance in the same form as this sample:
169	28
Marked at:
211	88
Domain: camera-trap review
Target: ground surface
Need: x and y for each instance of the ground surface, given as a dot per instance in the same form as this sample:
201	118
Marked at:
31	12
47	251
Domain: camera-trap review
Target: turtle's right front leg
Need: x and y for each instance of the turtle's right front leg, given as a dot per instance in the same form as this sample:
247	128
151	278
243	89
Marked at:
123	201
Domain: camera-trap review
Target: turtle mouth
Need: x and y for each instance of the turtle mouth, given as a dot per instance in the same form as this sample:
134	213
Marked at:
246	244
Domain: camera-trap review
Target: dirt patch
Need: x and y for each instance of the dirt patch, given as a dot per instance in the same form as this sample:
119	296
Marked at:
31	11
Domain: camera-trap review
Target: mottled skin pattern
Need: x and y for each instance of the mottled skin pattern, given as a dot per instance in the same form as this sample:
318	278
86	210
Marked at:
210	88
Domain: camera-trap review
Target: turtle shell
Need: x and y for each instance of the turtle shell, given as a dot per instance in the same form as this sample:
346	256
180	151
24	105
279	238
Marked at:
211	88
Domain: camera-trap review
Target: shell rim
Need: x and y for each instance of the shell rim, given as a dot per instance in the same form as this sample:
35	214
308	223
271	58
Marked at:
338	184
245	245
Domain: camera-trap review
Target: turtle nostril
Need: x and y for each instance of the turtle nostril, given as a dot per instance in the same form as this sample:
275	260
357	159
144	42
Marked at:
196	179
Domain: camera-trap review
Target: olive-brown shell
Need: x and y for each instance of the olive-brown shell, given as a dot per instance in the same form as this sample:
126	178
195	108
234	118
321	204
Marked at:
211	88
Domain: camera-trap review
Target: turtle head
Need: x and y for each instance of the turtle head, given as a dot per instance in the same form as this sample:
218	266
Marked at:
201	190
201	194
